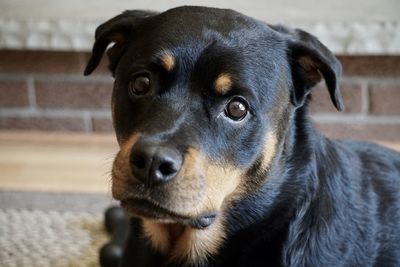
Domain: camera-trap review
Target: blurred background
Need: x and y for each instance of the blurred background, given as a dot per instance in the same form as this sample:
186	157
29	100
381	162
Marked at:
56	136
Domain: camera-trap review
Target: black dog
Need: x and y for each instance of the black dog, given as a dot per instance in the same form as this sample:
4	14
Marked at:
218	158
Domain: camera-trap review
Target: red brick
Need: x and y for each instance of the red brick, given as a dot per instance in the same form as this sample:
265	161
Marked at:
70	94
24	61
321	102
13	94
376	66
362	131
102	125
385	99
42	123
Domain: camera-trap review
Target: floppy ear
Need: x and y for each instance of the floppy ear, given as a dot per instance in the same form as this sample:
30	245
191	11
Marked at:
117	30
310	62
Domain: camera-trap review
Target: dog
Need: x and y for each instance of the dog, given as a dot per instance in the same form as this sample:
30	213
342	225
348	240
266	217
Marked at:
219	163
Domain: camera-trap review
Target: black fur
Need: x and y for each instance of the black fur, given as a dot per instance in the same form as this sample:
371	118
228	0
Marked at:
321	202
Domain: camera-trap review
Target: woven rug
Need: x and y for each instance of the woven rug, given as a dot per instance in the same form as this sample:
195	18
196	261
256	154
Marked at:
45	229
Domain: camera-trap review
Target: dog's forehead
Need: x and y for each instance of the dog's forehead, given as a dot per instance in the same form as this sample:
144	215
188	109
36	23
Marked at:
199	18
188	34
200	26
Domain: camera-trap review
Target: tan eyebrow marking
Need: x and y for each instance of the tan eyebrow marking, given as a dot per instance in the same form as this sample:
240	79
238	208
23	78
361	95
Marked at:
269	150
168	61
223	83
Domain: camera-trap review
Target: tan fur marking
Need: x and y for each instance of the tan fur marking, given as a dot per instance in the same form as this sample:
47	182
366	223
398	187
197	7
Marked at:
221	182
168	62
128	144
197	244
269	149
157	235
223	83
120	170
194	245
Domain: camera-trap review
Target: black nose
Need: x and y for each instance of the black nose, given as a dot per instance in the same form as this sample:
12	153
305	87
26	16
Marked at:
153	164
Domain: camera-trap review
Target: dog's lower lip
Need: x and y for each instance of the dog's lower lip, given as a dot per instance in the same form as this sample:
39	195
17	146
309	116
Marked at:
148	209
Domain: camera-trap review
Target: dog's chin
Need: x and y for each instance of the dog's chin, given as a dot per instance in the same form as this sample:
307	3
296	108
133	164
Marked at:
149	210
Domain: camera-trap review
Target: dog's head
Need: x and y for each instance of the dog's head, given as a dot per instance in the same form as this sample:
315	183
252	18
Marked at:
201	103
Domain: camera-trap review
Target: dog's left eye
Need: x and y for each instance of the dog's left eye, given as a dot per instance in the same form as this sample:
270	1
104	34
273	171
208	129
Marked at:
236	109
140	85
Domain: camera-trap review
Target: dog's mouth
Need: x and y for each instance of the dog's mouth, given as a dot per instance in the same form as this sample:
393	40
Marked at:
150	210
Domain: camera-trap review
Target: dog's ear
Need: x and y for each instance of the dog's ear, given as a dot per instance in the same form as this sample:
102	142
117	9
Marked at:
117	30
310	62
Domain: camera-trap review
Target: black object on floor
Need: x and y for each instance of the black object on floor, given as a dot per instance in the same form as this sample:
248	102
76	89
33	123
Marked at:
117	224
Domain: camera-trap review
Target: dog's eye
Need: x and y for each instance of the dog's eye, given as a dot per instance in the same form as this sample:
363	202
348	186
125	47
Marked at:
140	85
236	109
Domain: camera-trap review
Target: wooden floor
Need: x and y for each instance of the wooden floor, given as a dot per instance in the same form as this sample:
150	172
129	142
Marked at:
56	162
60	162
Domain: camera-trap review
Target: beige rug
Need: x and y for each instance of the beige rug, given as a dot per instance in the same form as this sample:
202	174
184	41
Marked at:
43	230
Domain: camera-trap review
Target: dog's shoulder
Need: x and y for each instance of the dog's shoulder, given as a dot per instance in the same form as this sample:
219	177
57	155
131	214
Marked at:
377	170
374	157
379	186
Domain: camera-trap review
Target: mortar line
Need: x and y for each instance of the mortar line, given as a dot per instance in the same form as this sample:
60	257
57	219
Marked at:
57	77
87	120
31	91
28	112
369	79
365	98
361	118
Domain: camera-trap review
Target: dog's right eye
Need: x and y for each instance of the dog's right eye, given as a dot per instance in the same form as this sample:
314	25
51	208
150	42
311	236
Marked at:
140	85
237	109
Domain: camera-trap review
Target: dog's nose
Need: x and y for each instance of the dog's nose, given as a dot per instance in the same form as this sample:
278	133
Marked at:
154	164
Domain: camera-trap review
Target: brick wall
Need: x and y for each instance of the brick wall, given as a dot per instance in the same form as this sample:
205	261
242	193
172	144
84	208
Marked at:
47	91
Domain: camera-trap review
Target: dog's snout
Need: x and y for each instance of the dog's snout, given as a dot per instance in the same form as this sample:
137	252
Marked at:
152	164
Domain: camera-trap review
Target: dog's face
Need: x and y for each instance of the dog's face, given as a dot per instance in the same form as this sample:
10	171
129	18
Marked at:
201	104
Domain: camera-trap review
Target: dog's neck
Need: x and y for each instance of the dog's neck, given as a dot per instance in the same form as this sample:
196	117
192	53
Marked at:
273	204
299	146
